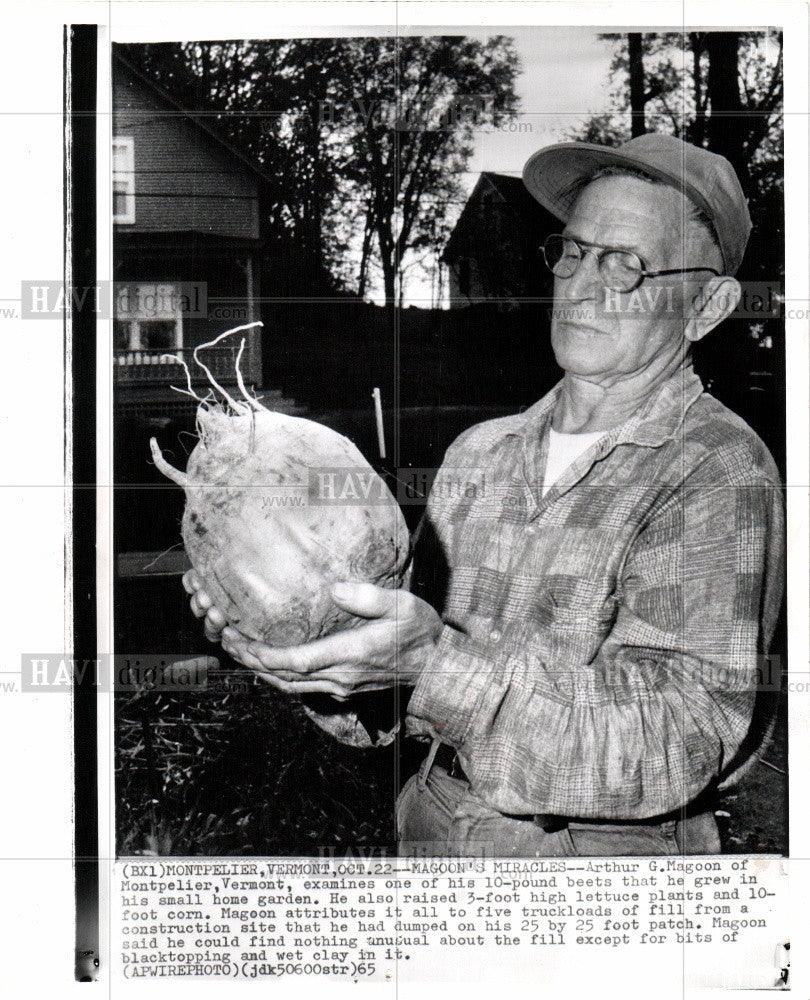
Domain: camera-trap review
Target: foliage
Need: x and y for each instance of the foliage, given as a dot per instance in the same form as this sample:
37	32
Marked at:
424	97
363	139
263	98
689	90
243	772
677	96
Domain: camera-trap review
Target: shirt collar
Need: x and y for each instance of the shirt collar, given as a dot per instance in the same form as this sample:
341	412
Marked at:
655	422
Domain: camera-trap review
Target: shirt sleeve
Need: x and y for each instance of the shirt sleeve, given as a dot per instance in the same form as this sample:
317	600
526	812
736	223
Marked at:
662	709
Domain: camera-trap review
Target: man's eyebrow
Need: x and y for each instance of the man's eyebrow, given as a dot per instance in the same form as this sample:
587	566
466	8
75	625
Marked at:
612	246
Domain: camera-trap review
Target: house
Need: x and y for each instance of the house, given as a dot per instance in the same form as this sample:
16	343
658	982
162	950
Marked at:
187	242
187	234
494	249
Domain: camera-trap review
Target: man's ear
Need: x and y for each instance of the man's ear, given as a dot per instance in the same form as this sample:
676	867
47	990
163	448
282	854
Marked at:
717	299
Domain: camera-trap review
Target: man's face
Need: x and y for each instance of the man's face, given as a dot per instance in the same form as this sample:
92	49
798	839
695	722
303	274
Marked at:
605	335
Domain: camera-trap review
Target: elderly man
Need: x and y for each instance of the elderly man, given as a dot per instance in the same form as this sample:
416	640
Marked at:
593	679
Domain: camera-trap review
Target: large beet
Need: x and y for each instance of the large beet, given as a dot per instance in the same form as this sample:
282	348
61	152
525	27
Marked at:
277	510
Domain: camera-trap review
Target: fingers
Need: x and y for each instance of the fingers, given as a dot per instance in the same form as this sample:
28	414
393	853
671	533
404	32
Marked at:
200	603
365	599
359	645
305	687
281	670
202	606
236	646
215	622
322	684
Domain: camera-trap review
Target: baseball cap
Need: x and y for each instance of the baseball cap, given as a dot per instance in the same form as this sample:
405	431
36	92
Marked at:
556	174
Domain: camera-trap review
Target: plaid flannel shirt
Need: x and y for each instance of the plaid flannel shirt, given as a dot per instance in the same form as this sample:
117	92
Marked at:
602	652
602	655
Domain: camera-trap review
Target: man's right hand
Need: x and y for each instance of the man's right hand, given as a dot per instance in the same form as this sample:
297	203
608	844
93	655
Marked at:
386	650
203	607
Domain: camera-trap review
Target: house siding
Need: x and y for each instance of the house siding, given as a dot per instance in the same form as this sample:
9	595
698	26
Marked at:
493	252
182	180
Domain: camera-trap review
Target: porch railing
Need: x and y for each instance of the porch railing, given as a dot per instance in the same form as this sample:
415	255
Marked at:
155	366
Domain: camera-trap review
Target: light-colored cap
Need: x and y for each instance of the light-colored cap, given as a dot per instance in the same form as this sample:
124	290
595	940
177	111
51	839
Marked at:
556	174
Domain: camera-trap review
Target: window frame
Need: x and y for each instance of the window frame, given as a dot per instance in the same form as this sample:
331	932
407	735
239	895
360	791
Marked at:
126	143
156	291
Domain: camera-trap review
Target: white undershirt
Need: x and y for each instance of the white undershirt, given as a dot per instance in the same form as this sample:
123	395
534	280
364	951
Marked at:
564	450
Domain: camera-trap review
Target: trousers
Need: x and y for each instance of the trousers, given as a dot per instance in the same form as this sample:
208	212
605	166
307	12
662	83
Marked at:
440	816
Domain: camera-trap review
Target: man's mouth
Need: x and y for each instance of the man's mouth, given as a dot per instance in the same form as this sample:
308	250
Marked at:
579	327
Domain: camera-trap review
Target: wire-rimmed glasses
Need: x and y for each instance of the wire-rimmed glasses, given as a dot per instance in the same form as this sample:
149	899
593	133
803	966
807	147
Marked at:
619	270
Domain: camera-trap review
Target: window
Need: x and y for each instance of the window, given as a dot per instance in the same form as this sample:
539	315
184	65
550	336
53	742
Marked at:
148	319
157	334
123	161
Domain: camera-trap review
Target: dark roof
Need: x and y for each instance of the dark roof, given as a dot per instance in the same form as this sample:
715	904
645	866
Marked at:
514	193
167	98
528	213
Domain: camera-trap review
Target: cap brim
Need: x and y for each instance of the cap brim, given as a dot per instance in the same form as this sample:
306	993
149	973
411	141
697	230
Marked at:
556	175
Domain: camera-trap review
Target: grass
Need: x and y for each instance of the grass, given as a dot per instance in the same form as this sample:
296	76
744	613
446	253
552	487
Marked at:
243	772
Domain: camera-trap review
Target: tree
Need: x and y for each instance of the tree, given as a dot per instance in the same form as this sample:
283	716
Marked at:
263	97
726	131
410	125
365	139
635	65
722	91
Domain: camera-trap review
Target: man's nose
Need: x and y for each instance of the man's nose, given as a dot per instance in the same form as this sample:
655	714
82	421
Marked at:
585	282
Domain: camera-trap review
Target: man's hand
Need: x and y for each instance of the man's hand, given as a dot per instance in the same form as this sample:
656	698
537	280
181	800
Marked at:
203	607
386	651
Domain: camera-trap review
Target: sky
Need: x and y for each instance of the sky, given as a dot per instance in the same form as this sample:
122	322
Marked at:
564	80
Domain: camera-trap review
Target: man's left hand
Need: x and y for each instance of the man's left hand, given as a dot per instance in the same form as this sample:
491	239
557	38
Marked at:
386	651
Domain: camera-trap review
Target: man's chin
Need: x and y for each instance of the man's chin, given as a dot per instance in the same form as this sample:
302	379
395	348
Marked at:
581	354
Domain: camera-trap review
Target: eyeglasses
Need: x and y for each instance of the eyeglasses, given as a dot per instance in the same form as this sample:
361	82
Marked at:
619	270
